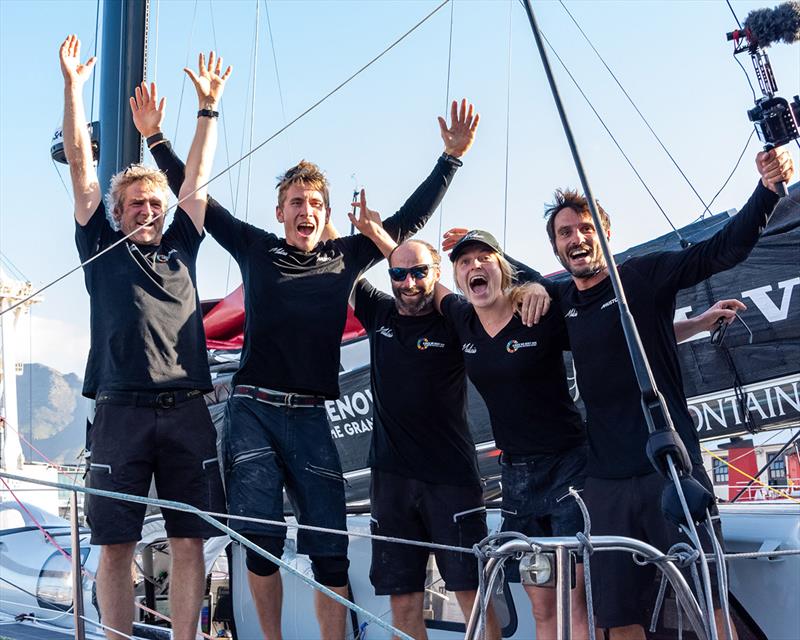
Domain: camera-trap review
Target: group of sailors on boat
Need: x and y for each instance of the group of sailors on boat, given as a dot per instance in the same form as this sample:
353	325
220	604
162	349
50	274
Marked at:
148	371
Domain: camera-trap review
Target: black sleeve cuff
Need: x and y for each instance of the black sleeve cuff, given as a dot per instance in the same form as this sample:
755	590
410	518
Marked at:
452	160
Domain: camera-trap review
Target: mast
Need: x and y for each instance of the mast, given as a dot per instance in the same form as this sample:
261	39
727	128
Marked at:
123	67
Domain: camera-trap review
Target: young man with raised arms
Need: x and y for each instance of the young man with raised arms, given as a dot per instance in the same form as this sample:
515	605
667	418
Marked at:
147	368
296	293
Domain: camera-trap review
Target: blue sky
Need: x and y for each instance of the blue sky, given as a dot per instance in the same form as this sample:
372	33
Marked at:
672	58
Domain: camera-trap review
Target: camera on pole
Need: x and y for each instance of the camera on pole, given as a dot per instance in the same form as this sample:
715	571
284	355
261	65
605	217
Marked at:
775	119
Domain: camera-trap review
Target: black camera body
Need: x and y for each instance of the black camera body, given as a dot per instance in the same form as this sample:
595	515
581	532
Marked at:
776	120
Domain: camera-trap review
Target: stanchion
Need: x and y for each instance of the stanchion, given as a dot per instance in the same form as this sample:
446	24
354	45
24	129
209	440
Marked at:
77	570
563	593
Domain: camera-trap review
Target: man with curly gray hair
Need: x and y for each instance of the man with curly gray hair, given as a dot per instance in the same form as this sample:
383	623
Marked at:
147	368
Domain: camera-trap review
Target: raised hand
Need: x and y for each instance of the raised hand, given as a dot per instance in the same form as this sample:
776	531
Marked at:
72	69
368	221
531	301
147	111
458	138
208	82
451	237
723	311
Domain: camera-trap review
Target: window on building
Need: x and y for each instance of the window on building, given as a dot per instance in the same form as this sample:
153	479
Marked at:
777	469
720	471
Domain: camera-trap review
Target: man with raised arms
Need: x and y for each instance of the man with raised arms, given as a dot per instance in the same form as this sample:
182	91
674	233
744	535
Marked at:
296	292
623	492
147	367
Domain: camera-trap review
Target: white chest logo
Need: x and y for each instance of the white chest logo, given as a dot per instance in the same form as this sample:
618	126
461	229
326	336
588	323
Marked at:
468	347
609	303
386	332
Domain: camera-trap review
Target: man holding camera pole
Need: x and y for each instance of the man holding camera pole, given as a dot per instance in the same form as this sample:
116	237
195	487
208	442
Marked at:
623	492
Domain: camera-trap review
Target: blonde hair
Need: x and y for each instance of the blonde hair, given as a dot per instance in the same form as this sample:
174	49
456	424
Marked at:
115	198
508	274
307	174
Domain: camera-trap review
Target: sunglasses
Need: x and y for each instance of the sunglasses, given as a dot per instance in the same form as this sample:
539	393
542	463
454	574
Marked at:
418	272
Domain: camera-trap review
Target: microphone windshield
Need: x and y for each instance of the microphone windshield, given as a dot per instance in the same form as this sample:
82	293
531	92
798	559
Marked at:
781	24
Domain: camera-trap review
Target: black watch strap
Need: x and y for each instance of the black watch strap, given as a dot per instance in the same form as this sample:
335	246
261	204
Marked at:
207	113
156	137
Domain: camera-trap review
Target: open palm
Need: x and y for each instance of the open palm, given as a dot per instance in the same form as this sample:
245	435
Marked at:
209	81
70	56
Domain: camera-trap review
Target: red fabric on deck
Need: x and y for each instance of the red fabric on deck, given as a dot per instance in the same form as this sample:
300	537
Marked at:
224	323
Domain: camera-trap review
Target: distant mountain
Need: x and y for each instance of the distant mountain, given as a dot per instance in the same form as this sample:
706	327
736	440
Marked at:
52	413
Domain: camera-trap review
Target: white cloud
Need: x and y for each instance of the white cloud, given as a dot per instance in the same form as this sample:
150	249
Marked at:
58	344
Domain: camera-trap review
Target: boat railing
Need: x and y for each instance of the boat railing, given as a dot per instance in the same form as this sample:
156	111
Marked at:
556	555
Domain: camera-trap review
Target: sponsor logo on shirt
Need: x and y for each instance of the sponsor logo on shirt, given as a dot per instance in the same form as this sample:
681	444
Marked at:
385	331
609	303
468	347
513	345
572	313
322	258
164	257
279	251
424	343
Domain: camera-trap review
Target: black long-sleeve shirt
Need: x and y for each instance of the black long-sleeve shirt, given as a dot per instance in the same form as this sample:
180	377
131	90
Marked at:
420	390
296	301
615	423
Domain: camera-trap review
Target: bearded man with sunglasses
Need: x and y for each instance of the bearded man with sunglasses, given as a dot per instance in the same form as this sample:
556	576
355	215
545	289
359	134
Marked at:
425	481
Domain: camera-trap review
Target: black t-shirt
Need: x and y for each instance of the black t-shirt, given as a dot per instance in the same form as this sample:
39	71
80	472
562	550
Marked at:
615	423
419	390
296	302
146	325
520	375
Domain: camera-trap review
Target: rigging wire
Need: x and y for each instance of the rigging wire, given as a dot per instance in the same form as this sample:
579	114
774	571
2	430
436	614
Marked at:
261	144
730	175
275	60
61	178
633	104
94	75
508	121
249	108
15	271
183	82
252	113
155	53
616	143
221	110
447	95
225	138
728	2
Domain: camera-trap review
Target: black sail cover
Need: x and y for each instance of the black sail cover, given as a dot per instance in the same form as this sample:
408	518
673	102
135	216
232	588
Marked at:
767	367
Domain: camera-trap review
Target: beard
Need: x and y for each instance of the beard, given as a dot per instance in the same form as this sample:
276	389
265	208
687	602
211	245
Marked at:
413	306
587	270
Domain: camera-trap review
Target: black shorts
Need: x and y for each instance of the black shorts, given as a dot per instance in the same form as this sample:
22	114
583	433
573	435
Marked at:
624	592
416	510
536	500
129	445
